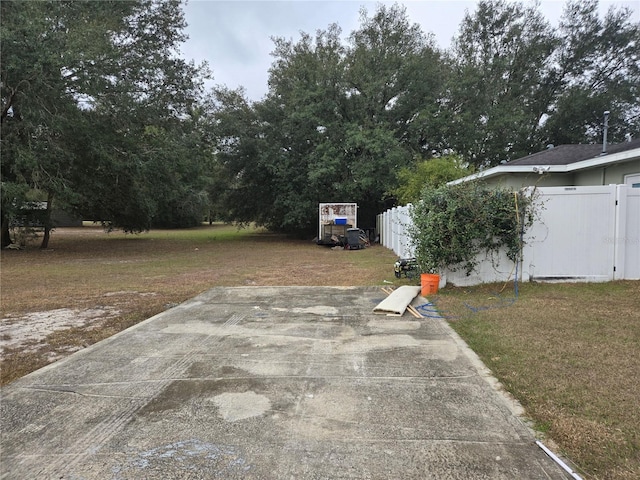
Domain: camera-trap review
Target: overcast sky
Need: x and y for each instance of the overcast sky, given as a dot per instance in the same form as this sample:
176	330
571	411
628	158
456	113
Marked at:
234	37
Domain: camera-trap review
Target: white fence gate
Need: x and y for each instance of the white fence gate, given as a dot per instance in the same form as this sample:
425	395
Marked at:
627	237
582	234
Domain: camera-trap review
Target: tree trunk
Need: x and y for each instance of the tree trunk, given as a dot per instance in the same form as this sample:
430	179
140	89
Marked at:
47	223
5	234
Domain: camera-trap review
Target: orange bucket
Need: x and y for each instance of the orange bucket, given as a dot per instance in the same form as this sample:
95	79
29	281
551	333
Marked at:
429	283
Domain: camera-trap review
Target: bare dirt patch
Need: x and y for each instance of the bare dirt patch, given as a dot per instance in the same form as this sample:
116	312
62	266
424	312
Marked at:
28	330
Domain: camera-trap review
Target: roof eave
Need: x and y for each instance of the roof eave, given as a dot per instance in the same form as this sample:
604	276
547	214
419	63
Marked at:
502	169
605	159
598	161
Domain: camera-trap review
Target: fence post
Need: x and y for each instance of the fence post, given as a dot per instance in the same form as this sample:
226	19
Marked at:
407	244
621	237
394	229
385	227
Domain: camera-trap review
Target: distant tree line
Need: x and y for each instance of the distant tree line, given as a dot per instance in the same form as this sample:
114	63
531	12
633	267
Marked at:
101	117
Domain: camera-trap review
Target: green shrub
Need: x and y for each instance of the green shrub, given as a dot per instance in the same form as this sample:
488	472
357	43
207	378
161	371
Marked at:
453	224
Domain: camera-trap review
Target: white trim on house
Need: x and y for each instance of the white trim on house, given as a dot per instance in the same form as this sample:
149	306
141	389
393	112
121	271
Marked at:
606	159
599	161
492	172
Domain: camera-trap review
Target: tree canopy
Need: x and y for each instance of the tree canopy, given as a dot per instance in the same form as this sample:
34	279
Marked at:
103	118
518	85
432	173
98	113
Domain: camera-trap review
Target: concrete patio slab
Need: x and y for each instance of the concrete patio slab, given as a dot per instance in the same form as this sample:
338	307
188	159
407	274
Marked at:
269	383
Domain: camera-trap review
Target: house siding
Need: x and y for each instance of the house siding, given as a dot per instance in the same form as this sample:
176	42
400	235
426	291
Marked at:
609	175
615	173
518	180
592	177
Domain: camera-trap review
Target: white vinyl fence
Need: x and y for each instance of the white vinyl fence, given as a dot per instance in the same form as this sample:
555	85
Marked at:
393	228
581	234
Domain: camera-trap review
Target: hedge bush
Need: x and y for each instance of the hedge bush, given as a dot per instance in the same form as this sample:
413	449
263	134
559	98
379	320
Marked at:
453	224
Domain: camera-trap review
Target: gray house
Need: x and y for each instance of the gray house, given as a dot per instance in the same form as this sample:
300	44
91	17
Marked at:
568	165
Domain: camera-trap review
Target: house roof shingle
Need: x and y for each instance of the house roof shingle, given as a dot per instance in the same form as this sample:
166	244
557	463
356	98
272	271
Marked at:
567	154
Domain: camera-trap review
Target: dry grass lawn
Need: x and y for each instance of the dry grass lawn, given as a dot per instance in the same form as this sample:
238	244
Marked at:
570	353
95	284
